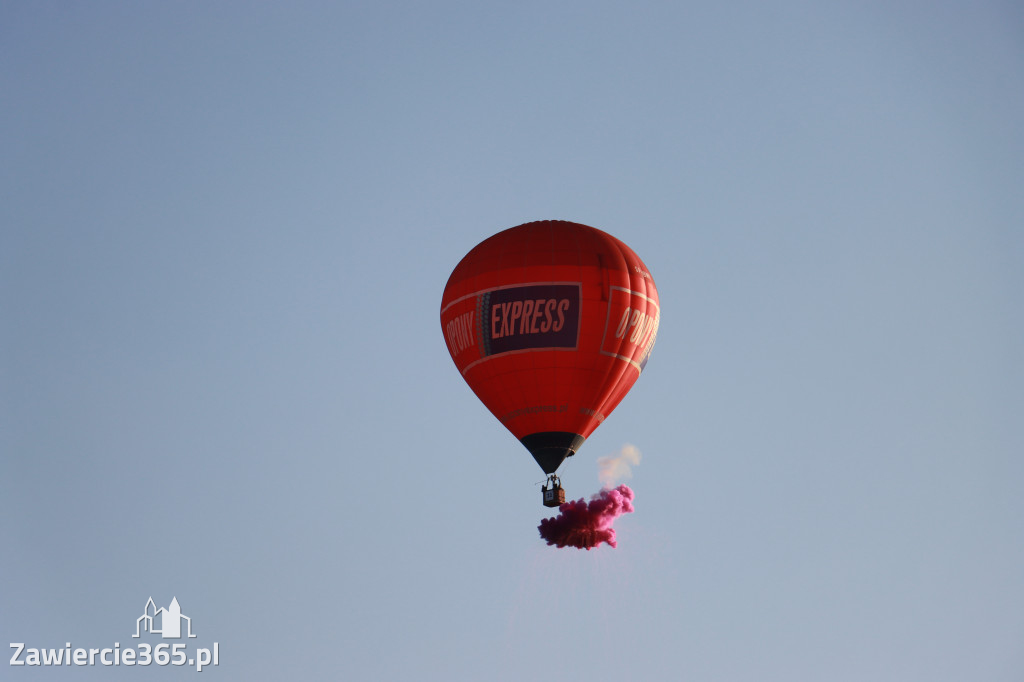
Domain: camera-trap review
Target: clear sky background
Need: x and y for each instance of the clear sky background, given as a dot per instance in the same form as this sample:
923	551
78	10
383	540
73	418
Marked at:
224	233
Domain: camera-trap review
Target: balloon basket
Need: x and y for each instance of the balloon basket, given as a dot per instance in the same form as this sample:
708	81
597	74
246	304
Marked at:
552	494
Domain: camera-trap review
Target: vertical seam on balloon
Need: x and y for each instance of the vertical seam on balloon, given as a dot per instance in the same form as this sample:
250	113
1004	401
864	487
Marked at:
483	301
556	397
576	371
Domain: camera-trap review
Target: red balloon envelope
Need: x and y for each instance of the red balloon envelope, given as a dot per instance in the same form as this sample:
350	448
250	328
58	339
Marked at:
550	323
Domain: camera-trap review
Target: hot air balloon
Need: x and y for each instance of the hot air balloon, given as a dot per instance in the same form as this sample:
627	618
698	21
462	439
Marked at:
550	323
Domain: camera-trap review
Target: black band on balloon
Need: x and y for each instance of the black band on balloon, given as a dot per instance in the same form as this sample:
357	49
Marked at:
550	448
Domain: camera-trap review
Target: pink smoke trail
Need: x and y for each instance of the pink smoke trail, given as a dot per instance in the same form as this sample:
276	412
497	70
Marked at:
586	525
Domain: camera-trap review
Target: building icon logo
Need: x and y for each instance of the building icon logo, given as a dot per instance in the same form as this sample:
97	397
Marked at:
163	622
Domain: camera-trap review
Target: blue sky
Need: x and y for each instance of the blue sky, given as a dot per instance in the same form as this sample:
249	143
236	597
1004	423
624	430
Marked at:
224	234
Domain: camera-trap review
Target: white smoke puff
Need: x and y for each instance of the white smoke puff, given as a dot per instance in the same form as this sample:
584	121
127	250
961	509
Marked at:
613	469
